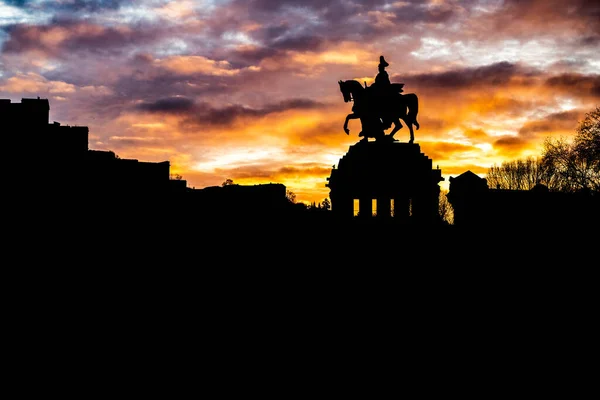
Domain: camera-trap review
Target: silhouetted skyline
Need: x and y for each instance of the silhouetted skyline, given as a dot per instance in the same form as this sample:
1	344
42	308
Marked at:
379	184
248	90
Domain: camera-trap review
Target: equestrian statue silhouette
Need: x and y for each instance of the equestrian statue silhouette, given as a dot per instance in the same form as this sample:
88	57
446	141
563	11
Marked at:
379	105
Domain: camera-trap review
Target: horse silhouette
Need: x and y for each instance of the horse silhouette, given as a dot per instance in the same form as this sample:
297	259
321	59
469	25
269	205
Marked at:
376	110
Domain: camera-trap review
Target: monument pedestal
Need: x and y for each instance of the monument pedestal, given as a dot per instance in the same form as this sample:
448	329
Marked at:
382	180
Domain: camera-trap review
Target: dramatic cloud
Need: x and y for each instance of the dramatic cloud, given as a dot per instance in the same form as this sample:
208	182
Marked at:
65	36
33	83
247	89
17	3
171	105
499	74
207	115
581	84
204	114
562	122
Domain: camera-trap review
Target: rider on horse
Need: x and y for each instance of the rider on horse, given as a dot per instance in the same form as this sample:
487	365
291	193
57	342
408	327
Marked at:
383	91
380	106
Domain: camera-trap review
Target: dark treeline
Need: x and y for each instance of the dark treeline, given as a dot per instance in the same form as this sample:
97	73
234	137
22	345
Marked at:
564	166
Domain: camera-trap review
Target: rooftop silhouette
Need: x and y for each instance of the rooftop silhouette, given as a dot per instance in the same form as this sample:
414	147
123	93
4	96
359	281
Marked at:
381	190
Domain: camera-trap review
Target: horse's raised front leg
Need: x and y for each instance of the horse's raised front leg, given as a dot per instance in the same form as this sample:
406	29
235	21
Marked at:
348	118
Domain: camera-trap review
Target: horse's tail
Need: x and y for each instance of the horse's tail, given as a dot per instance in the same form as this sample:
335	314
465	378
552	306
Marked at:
412	102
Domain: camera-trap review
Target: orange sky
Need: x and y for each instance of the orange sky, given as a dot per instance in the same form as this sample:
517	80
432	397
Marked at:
247	89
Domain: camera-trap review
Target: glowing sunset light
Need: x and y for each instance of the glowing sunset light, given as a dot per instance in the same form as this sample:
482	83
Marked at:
150	125
238	157
196	64
248	89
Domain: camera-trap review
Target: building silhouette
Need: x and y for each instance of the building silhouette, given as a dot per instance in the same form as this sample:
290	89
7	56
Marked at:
387	184
74	180
477	206
386	181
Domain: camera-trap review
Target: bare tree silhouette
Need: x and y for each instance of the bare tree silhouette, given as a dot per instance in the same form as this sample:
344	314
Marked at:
575	166
564	166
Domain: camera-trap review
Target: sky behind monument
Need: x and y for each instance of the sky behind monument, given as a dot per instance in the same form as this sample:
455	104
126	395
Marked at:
248	89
